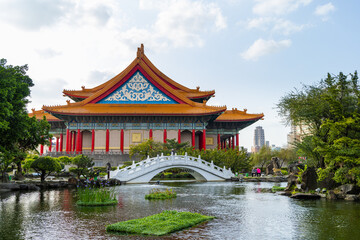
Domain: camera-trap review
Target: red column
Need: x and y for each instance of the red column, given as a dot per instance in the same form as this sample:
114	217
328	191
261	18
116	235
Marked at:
233	142
78	135
61	142
193	139
204	139
237	141
92	140
218	141
67	140
107	140
50	144
150	134
57	144
122	140
73	141
70	141
179	136
81	141
165	135
41	149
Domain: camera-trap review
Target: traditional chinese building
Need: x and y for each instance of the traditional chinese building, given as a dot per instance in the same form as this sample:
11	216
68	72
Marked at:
141	103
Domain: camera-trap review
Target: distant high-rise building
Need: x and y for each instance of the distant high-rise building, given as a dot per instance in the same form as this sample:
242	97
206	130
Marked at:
297	133
259	138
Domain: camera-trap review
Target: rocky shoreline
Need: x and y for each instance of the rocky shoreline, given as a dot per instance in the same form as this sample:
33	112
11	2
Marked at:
37	185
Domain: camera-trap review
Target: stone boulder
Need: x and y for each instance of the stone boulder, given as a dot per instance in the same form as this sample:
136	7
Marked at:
292	180
305	196
294	167
328	182
73	181
274	164
309	179
347	189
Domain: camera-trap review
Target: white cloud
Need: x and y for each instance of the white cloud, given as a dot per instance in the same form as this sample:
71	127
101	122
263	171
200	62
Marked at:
277	7
278	25
263	47
33	14
182	23
324	10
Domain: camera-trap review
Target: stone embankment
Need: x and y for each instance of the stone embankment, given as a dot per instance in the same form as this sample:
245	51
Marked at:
261	179
37	185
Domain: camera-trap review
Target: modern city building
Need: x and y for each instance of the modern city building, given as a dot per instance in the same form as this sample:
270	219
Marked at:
259	139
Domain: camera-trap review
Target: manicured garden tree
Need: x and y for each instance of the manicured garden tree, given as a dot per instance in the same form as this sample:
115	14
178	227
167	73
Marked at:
45	166
286	155
82	163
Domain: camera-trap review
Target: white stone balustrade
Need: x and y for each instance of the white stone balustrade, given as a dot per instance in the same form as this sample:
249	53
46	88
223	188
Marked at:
144	171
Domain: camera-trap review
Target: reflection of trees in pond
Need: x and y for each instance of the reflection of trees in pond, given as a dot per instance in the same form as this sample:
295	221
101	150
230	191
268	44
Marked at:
324	219
11	218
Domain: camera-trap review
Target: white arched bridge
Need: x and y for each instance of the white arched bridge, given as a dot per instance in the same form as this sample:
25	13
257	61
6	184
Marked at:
144	171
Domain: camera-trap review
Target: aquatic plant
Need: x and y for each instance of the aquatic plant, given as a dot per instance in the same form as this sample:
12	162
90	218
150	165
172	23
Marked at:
96	196
159	224
159	194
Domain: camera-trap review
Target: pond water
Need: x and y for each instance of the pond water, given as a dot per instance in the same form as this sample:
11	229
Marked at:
242	211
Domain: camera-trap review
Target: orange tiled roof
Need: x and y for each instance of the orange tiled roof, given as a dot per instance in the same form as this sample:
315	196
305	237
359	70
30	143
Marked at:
235	115
190	93
39	114
134	109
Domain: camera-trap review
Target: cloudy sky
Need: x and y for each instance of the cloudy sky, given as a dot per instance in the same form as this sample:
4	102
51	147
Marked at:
251	52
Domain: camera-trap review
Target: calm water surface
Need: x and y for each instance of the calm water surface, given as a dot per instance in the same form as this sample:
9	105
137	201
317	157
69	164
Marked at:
241	211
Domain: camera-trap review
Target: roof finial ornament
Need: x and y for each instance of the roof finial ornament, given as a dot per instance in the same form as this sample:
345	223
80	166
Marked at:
197	88
68	102
245	110
33	110
82	87
140	51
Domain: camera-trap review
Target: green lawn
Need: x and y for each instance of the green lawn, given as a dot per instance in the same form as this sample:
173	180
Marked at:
159	224
158	194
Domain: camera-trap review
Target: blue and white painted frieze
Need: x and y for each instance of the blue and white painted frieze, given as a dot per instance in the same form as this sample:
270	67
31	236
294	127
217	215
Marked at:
137	90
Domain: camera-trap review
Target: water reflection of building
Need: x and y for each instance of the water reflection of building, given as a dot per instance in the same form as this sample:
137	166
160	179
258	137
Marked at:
141	103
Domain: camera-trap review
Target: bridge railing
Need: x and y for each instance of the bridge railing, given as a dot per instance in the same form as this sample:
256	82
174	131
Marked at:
152	163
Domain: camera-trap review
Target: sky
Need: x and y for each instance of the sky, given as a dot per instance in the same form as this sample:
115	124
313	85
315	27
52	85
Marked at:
251	52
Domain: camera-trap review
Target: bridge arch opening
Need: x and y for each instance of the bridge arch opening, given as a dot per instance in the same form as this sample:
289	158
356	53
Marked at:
177	174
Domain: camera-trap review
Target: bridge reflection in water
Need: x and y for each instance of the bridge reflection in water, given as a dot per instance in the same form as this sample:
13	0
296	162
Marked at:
144	171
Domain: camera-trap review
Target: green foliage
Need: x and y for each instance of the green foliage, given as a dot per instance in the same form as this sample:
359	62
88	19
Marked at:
83	164
45	166
65	160
300	173
19	133
331	111
284	172
96	196
277	188
158	194
148	148
263	157
159	224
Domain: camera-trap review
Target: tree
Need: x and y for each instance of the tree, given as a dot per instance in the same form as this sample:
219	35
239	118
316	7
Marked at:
286	155
334	125
18	132
83	163
262	157
147	148
6	158
45	166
